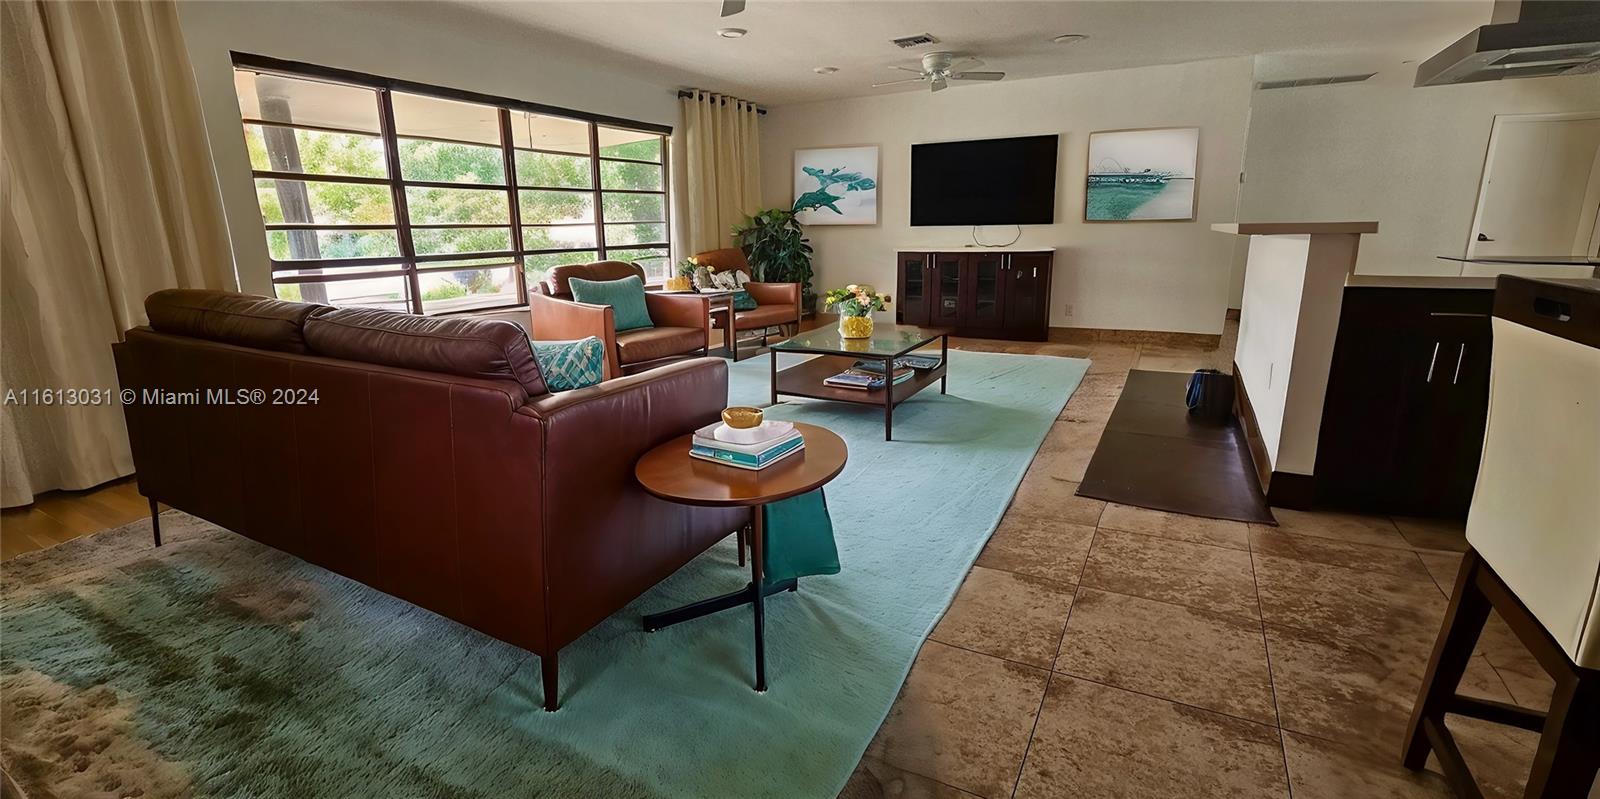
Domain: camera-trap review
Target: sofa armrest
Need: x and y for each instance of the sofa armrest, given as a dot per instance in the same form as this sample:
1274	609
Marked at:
774	293
605	539
680	310
555	319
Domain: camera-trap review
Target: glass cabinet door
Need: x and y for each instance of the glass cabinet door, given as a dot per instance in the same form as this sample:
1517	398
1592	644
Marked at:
913	305
947	268
986	272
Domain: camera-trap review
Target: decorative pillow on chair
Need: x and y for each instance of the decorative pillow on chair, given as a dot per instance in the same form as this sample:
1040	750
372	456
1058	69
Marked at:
566	365
726	281
742	301
625	296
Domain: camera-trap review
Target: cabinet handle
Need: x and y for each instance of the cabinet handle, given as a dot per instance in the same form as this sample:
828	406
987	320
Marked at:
1460	354
1432	361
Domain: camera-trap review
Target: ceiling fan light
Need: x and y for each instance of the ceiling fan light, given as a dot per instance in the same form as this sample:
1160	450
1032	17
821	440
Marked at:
731	33
824	70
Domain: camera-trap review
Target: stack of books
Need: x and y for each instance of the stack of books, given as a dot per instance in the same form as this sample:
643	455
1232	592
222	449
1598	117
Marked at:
867	379
902	362
776	441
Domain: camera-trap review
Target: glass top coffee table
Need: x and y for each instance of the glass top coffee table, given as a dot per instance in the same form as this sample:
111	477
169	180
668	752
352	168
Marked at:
887	343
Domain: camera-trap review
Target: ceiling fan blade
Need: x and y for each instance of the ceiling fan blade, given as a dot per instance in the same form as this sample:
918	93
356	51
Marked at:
731	7
939	84
898	82
906	69
977	75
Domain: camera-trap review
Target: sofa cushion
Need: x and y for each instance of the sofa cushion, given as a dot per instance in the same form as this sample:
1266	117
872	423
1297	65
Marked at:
556	281
487	348
243	320
625	296
650	343
566	365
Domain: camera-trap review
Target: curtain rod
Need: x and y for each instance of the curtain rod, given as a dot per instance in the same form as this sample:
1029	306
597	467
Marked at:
721	99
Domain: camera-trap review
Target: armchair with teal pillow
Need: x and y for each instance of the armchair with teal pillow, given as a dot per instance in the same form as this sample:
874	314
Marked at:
675	326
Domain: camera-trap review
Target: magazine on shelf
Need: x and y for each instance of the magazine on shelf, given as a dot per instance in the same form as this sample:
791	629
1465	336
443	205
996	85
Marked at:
746	460
862	379
902	362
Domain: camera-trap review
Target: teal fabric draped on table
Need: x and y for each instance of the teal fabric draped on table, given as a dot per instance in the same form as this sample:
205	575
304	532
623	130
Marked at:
799	538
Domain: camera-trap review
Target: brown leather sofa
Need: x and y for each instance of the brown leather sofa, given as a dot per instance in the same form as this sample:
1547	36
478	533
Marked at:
777	304
431	462
682	321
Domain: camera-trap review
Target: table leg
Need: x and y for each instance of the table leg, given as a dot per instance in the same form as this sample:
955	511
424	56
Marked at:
774	381
888	399
944	362
758	536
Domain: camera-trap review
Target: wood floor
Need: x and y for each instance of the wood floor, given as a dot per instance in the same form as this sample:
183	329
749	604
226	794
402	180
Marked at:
59	516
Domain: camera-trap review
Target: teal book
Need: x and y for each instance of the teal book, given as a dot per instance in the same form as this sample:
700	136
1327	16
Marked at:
744	459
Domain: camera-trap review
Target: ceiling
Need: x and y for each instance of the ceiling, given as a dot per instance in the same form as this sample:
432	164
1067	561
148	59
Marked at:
789	38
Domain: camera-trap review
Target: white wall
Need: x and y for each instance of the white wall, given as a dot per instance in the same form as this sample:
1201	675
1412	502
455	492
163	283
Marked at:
443	45
1410	158
1143	276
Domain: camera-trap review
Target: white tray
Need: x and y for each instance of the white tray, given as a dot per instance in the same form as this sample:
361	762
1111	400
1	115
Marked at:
766	431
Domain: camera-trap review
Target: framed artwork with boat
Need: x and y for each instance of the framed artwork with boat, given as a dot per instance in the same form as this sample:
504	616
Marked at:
1142	175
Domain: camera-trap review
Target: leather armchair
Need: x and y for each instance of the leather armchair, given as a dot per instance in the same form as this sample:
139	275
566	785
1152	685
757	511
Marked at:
682	321
777	304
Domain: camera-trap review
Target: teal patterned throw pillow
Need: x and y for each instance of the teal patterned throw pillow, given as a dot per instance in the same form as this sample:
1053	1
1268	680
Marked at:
742	301
625	296
566	365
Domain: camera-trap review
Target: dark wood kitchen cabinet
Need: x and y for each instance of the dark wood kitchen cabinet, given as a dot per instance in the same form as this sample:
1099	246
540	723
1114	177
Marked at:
1407	399
980	293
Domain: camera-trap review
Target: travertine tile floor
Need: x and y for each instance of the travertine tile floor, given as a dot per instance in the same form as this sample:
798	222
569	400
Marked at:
1100	651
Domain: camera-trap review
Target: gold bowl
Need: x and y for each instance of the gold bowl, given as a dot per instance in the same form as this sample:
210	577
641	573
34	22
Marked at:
741	417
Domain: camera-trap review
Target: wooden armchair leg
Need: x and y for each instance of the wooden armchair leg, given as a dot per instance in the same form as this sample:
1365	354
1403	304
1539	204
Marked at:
155	520
741	544
1463	622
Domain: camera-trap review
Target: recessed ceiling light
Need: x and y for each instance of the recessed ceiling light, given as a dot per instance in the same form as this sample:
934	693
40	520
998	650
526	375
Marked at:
825	70
731	33
1069	38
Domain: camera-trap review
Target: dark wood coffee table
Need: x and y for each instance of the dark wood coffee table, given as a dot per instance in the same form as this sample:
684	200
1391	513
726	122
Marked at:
669	473
887	343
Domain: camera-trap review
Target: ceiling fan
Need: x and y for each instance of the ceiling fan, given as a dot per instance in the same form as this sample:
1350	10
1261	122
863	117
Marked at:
938	69
731	7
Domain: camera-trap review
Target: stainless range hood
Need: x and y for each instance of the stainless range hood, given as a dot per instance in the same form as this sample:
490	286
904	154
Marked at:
1524	39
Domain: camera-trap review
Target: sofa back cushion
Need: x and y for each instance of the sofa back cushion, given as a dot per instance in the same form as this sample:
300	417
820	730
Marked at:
484	348
556	283
625	296
229	317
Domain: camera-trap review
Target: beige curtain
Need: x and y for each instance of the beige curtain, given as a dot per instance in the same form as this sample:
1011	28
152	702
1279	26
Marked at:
722	168
107	194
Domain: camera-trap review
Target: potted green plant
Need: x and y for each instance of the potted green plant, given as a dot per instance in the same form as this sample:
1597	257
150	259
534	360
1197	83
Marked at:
777	249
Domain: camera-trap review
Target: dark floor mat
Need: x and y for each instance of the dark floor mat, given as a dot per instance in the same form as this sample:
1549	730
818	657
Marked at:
1153	454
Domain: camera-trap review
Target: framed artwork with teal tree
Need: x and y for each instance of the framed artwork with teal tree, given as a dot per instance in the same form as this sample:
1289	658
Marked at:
1143	175
836	186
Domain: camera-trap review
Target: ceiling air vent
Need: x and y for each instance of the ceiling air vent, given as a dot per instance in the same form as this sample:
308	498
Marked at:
906	42
1323	81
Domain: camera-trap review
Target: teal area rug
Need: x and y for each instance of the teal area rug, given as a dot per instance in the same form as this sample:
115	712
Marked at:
218	667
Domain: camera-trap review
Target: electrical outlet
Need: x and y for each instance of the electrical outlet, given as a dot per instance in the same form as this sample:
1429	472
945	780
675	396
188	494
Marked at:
1067	309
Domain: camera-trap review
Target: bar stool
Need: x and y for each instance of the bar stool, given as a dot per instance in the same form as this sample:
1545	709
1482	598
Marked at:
1534	531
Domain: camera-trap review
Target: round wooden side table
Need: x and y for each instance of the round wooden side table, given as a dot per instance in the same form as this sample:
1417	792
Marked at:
669	473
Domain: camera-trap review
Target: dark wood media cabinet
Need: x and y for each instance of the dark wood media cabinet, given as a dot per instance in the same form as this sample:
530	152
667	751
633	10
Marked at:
980	293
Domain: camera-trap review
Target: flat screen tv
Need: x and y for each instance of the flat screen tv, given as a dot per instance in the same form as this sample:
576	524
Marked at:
984	182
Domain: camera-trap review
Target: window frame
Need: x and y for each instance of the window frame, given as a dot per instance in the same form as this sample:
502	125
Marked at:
408	264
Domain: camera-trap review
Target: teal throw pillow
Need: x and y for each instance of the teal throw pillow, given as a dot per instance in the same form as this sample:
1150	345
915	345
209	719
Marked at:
566	365
625	296
742	301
